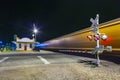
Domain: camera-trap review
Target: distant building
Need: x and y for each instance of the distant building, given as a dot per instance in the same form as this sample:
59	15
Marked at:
24	44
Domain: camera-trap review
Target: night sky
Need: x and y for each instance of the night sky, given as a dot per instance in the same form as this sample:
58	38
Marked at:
53	18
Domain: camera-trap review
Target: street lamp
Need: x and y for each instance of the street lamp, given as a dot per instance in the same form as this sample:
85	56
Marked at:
35	32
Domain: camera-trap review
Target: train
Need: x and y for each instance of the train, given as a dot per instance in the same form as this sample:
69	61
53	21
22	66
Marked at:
79	42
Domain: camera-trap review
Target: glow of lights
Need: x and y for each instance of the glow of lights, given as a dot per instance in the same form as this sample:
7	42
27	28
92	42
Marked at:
107	41
89	37
104	37
97	37
33	35
35	30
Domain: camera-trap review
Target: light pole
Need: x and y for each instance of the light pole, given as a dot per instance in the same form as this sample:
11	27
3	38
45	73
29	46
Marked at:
35	32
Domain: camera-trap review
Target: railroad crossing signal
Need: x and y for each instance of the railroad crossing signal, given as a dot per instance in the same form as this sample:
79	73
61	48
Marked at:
97	37
99	48
95	24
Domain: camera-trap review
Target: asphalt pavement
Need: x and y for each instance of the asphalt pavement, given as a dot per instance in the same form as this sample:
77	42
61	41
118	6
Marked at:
42	57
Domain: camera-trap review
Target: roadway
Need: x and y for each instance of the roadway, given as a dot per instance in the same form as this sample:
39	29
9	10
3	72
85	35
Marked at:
42	57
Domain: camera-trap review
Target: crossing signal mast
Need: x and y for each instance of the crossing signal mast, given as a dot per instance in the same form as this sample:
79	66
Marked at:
97	36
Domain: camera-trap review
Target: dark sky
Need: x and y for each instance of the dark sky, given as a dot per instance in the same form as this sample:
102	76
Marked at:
54	18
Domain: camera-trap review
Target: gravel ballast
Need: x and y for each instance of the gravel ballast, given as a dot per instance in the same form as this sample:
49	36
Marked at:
70	71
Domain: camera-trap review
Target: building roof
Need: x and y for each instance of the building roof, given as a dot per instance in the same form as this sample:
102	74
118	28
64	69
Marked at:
25	39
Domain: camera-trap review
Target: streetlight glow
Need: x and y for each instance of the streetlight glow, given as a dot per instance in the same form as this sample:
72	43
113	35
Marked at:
35	30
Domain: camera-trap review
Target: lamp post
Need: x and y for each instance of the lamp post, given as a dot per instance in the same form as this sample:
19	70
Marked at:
35	32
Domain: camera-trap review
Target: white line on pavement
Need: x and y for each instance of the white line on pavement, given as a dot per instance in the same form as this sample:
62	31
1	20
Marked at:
4	59
43	60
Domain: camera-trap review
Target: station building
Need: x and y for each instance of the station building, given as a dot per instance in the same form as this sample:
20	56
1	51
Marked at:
24	44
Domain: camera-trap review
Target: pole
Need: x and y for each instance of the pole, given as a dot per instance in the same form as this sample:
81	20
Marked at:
35	37
98	40
98	59
95	26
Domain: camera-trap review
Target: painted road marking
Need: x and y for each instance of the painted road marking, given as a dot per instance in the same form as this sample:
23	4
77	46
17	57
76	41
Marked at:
4	59
43	60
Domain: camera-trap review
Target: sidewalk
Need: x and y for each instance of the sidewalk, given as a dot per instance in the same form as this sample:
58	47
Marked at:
25	52
17	52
